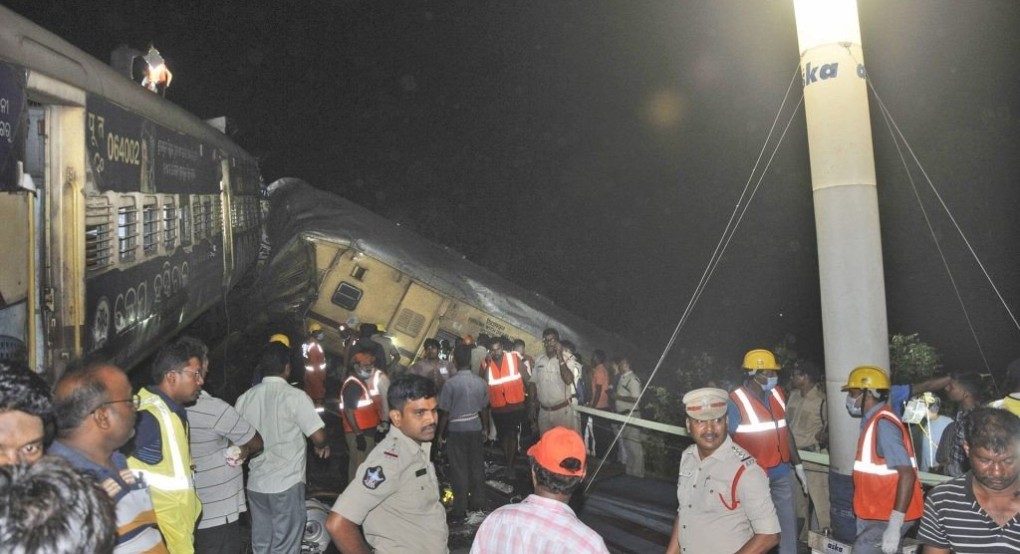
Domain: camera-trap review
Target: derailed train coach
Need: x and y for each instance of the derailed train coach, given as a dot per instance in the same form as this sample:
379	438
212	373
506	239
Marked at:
124	217
338	264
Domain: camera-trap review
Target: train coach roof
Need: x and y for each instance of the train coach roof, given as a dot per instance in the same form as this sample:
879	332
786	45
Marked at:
298	210
29	45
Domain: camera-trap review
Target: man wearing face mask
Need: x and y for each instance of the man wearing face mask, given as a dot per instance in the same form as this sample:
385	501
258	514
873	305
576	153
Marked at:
361	414
756	416
887	491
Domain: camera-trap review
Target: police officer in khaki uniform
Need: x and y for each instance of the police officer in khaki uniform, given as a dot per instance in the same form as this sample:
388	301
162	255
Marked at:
725	505
395	495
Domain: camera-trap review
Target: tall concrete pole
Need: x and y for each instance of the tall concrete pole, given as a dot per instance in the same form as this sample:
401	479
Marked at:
854	324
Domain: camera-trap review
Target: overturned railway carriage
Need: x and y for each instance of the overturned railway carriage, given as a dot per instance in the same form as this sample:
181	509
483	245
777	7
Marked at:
337	262
124	217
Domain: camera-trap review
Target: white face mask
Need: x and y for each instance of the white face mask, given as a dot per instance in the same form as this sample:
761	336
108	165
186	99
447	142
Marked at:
770	383
364	373
852	407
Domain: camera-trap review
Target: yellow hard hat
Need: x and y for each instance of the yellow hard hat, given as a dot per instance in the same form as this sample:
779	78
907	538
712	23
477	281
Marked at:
280	338
867	377
314	327
760	360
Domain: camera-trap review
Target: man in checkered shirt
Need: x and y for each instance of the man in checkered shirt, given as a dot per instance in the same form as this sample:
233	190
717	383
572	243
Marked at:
543	523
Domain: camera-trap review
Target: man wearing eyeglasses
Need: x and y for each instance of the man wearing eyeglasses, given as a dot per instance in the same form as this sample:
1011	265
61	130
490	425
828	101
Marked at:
161	450
95	412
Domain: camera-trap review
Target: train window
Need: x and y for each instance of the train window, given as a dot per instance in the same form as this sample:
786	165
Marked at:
98	233
198	216
127	230
185	223
169	225
150	228
214	217
359	272
347	296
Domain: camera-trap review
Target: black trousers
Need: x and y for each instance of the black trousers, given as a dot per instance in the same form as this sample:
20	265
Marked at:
467	470
222	539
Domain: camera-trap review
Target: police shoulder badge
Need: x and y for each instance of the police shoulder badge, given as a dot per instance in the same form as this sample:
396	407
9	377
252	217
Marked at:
374	477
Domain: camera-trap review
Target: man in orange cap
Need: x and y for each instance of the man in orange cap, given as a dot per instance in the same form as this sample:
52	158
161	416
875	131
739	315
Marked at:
543	523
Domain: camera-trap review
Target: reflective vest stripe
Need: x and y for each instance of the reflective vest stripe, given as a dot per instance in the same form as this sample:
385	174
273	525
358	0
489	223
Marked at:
181	479
762	429
874	482
506	386
366	414
366	395
754	424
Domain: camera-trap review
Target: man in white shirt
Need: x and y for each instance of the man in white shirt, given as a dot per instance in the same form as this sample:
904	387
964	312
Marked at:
284	416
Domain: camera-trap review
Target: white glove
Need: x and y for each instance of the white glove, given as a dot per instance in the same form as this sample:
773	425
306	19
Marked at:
801	476
891	536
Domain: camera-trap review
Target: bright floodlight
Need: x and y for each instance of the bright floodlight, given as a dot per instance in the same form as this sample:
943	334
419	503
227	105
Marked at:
826	21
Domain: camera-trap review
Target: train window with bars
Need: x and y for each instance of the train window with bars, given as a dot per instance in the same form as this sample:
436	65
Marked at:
98	233
214	221
347	296
198	217
185	223
169	225
127	230
150	228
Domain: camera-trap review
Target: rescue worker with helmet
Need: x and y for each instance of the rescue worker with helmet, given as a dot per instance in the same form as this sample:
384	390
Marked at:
887	490
315	364
361	409
757	422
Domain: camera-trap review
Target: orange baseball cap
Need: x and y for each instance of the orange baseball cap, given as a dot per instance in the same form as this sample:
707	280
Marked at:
557	446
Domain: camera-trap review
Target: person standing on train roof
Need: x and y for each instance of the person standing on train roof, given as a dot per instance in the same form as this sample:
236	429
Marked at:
887	490
757	422
284	416
162	453
315	364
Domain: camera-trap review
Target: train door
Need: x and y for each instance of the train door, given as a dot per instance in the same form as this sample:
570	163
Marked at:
55	163
413	319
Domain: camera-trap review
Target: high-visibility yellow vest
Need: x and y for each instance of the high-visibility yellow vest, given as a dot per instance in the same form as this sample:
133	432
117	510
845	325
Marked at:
170	481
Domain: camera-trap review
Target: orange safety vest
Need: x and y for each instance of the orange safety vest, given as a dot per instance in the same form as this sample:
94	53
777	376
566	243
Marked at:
874	482
365	413
506	386
763	434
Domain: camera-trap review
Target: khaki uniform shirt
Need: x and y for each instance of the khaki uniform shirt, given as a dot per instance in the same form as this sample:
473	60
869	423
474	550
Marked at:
395	498
708	519
805	416
549	383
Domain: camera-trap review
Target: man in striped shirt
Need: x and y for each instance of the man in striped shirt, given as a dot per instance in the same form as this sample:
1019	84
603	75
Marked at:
979	511
95	412
543	523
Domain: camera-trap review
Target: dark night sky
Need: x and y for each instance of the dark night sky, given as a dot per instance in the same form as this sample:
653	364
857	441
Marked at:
593	150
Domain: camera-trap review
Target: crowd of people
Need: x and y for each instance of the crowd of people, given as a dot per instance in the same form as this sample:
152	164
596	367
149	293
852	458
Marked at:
90	464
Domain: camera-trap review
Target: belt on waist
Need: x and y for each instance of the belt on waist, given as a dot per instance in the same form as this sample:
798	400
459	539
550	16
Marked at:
555	407
468	417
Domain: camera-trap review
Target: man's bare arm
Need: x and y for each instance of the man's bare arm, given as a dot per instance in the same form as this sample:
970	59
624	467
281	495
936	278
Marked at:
346	535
